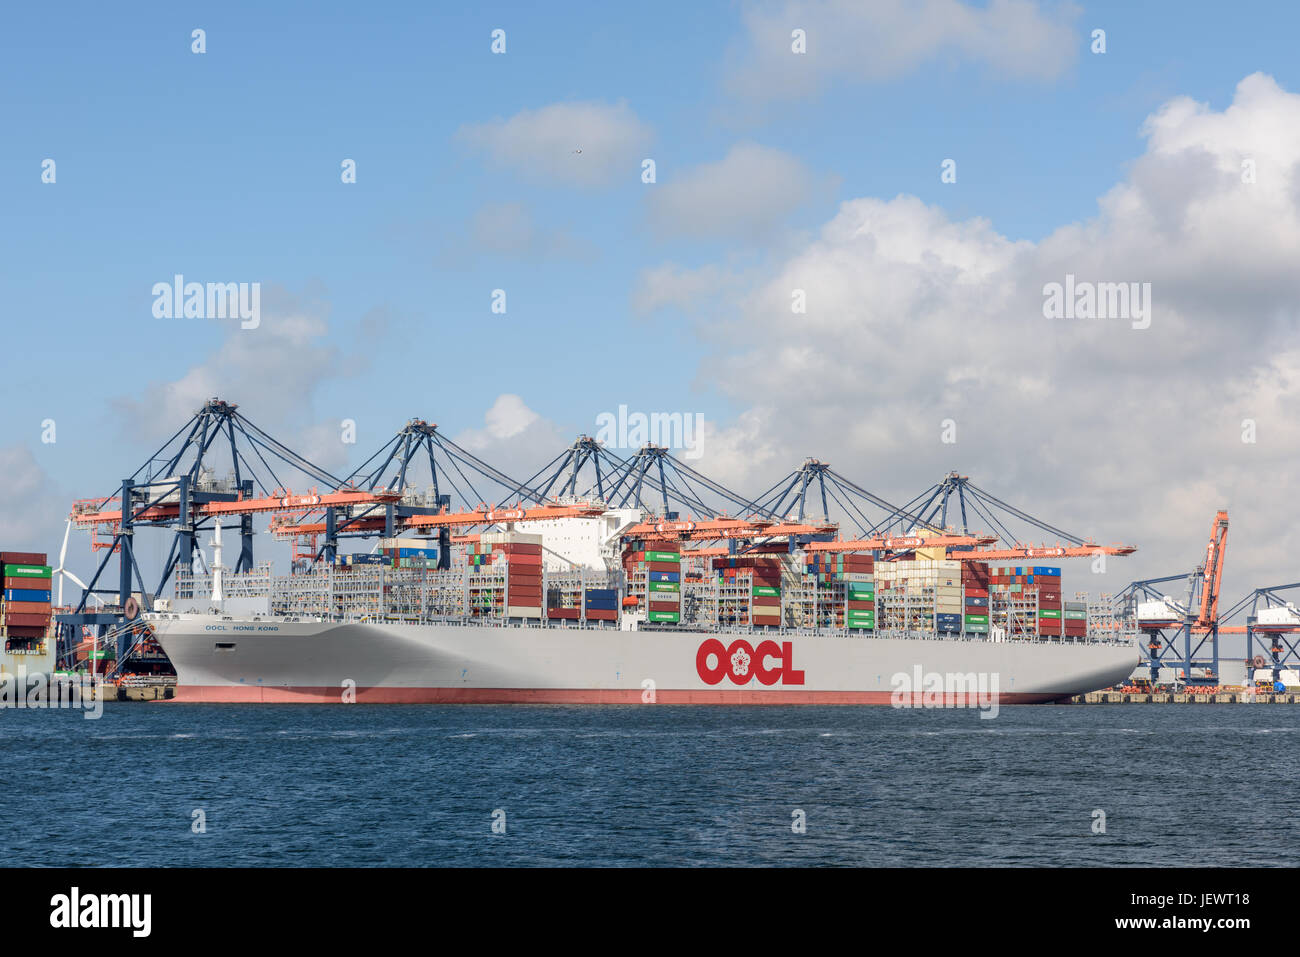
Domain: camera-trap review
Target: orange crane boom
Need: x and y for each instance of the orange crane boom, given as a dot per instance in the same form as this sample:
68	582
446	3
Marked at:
1042	551
1215	553
287	502
488	516
900	542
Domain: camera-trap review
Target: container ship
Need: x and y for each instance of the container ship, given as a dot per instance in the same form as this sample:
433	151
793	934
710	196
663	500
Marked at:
578	592
563	617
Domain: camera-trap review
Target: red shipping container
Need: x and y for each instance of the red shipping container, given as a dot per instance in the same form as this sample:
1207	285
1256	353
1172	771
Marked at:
664	567
602	614
21	620
665	606
861	605
518	549
571	613
24	558
37	584
26	631
760	600
27	608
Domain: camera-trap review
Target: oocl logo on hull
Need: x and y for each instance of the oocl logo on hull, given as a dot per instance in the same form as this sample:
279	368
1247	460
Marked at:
741	662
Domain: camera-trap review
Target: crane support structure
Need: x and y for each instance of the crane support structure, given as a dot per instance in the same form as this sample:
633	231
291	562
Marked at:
1194	626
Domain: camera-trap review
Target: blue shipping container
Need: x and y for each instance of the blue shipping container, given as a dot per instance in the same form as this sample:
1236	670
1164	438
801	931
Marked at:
26	594
976	601
363	559
665	576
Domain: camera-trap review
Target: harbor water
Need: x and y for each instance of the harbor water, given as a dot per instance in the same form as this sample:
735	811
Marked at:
169	784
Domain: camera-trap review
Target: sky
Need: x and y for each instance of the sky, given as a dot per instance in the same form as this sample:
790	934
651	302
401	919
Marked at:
1170	159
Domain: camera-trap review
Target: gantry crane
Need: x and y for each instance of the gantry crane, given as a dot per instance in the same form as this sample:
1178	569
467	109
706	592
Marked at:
1193	624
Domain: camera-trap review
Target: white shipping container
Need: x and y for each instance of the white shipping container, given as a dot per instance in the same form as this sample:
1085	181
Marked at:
1158	611
1289	678
1281	615
510	538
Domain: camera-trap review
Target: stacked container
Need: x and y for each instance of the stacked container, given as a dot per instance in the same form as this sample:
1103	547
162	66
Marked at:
662	563
860	605
854	575
409	552
25	609
1049	600
362	558
1027	599
765	592
749	589
975	597
602	604
1074	619
564	601
522	556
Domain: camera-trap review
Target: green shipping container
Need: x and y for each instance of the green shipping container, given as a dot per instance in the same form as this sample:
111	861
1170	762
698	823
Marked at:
27	571
1077	615
665	586
977	629
663	557
767	591
863	625
1049	613
670	616
977	620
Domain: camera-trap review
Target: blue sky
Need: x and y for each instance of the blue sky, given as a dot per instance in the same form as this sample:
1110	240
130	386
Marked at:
225	167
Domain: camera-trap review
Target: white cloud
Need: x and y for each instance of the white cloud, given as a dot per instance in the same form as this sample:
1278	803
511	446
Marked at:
33	510
509	230
514	439
851	40
673	286
1097	427
543	144
747	193
276	374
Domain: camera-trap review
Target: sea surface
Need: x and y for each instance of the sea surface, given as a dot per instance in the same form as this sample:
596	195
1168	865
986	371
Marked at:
363	785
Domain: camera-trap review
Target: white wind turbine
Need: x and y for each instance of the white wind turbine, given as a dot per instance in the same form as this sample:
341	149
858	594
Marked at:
63	572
